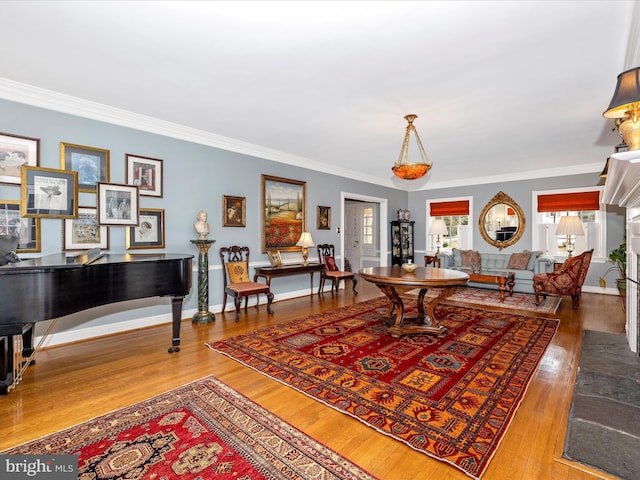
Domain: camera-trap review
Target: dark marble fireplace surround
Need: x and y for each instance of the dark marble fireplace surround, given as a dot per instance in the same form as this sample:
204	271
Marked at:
603	431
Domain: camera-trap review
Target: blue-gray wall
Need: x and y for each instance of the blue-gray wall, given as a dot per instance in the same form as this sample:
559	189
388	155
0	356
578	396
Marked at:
521	192
197	176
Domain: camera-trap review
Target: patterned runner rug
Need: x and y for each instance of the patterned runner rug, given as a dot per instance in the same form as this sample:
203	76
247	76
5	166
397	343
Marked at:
451	398
491	298
200	431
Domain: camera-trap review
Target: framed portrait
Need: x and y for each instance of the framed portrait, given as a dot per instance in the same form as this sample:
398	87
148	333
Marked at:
92	165
26	229
234	211
47	192
275	259
84	232
117	204
284	210
145	173
324	218
149	233
16	151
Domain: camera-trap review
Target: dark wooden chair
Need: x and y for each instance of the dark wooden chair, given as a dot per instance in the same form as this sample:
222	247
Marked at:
564	280
237	283
327	257
429	259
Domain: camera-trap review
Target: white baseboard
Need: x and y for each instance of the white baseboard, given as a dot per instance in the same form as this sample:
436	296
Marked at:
76	335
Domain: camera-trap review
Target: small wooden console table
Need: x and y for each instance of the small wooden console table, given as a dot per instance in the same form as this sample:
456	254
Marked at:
286	270
387	279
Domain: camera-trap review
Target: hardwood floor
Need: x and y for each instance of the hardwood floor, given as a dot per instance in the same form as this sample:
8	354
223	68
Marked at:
73	383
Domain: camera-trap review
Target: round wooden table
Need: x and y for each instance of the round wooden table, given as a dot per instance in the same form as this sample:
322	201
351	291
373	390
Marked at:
389	279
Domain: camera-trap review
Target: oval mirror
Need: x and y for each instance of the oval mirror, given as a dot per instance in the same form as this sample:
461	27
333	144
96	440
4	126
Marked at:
501	222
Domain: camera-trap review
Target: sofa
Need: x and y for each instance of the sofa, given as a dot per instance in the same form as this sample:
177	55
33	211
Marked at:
524	265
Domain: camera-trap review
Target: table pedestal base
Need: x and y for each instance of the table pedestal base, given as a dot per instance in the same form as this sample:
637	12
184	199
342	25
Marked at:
424	322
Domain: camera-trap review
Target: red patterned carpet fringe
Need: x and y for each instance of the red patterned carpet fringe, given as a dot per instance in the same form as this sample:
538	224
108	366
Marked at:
202	430
451	398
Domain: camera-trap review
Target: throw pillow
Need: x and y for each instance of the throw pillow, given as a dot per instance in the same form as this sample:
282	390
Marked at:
330	262
238	272
469	258
534	257
519	261
455	258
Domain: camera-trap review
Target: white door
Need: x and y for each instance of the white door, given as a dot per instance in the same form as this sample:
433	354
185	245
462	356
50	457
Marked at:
361	233
351	236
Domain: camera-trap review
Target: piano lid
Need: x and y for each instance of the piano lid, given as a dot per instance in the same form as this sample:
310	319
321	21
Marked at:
62	260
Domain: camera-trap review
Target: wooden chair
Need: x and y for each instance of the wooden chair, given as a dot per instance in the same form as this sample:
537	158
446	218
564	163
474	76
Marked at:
429	259
327	257
565	280
237	283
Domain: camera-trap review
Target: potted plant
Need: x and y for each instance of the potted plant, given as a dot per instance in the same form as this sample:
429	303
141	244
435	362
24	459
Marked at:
618	257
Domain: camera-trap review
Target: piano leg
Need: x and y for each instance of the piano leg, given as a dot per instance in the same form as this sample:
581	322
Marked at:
176	309
27	341
6	364
15	351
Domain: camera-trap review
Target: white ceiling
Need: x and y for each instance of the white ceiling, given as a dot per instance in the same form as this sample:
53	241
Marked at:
502	90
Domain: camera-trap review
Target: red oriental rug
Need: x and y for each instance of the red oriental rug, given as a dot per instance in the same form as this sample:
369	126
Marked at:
491	298
451	398
203	430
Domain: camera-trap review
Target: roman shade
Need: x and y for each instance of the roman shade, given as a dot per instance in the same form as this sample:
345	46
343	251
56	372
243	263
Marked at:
575	202
442	209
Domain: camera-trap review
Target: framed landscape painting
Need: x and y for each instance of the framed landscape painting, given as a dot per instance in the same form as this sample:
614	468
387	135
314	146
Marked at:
283	213
16	151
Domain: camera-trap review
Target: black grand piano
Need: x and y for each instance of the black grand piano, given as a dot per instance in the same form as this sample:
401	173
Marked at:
56	285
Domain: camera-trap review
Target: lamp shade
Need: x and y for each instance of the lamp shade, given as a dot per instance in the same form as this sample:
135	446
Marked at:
438	227
305	240
627	92
570	225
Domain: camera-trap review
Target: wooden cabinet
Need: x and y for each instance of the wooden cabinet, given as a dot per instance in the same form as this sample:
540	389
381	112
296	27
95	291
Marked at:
401	242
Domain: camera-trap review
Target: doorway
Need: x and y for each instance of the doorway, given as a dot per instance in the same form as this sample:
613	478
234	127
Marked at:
363	223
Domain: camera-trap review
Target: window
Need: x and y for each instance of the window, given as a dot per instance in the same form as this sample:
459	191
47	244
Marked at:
456	213
551	205
367	226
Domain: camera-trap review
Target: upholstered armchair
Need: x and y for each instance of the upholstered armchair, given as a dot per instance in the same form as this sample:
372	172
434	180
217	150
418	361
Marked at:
237	283
331	270
565	280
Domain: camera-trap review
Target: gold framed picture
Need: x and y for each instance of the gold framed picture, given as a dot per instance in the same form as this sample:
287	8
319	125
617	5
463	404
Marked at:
47	192
324	218
92	165
234	212
283	213
150	231
274	258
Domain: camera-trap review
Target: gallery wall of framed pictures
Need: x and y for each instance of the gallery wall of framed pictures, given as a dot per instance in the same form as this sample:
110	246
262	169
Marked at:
51	193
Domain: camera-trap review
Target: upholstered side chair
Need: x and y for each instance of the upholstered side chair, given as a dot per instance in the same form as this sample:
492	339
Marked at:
331	271
565	280
237	283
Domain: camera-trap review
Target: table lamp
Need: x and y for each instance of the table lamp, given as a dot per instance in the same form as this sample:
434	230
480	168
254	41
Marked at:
305	242
570	225
438	227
